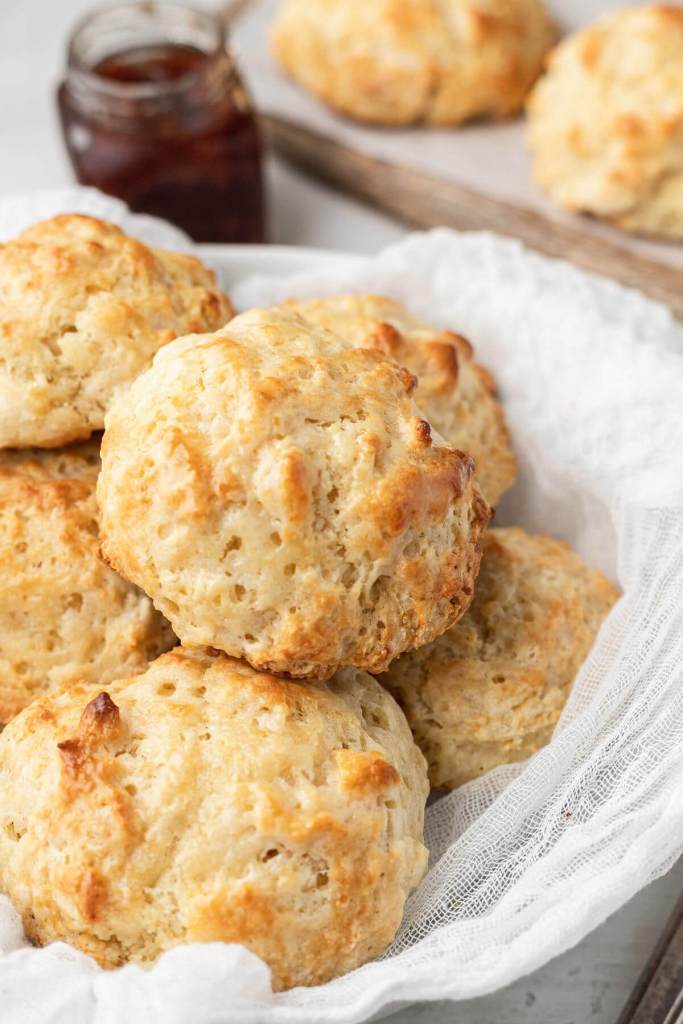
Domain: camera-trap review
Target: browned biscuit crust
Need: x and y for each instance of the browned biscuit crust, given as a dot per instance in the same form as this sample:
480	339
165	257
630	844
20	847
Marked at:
64	614
491	689
606	121
83	308
399	62
456	395
203	801
291	506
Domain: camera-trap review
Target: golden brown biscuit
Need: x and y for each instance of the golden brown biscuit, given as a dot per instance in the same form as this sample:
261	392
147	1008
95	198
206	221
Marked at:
403	61
203	801
290	505
83	308
64	614
491	689
606	121
455	394
76	461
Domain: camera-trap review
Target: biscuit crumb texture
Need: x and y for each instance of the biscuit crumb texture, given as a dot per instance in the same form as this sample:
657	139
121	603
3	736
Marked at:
64	614
79	461
279	496
203	801
606	121
83	308
399	62
491	689
456	395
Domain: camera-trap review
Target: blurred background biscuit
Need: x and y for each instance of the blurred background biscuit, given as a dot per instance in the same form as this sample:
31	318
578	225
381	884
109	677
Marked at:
290	505
403	61
64	614
83	309
491	689
456	395
202	801
606	121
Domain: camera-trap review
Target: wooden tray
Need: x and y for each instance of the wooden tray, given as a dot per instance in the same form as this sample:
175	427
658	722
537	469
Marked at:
658	995
424	201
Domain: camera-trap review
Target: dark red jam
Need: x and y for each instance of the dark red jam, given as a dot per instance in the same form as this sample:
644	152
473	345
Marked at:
151	63
169	129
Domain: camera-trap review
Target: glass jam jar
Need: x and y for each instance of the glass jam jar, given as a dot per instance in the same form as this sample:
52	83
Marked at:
153	111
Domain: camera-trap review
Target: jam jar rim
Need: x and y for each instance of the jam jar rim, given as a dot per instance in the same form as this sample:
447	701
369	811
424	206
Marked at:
77	68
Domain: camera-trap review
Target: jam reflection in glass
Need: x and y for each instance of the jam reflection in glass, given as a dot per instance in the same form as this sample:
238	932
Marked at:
153	111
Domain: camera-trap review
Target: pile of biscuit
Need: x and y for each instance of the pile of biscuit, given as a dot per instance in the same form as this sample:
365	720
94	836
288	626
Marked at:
605	106
244	630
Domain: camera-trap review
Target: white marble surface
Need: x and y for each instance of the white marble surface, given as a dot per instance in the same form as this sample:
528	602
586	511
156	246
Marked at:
587	984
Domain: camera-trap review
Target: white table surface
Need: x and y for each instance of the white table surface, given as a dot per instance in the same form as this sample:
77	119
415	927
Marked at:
589	983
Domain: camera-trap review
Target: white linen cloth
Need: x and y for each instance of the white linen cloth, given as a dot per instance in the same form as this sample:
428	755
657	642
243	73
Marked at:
528	859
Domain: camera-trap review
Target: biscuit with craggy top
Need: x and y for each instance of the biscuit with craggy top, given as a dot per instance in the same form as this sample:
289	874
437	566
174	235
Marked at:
203	801
64	614
404	61
491	689
456	395
290	506
83	308
606	121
